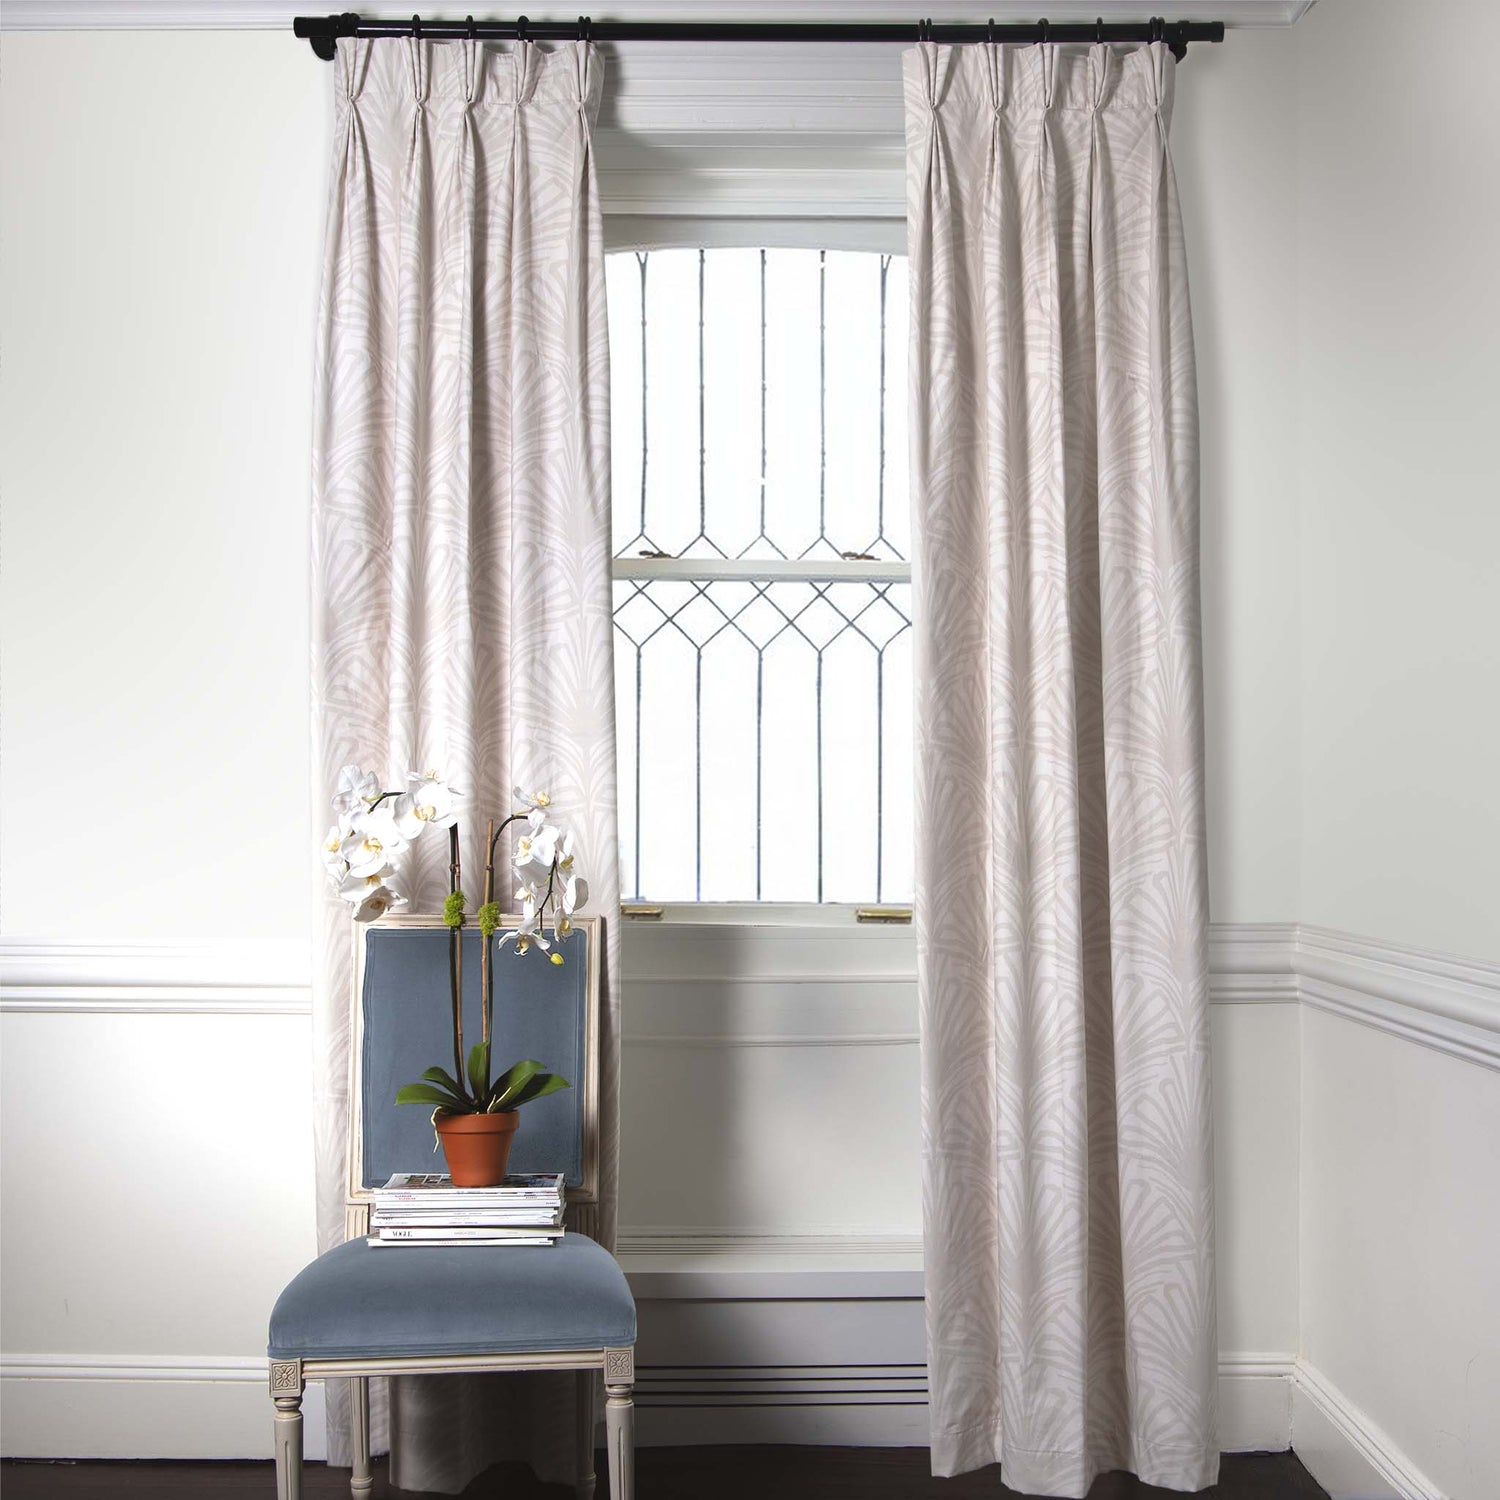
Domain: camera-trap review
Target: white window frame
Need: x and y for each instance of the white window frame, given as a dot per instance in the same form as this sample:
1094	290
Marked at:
681	231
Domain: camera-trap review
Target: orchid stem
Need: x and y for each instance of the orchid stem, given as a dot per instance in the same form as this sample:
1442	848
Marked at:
456	962
486	964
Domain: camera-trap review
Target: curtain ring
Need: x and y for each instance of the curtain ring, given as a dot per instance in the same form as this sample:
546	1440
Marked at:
472	32
989	31
585	28
1042	28
416	28
1156	28
521	24
1099	30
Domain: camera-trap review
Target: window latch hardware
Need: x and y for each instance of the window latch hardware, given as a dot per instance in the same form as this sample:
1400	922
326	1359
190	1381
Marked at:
858	556
889	914
646	552
642	913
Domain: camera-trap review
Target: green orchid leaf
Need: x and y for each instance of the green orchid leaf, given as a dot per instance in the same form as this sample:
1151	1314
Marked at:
479	1069
537	1087
513	1078
448	1081
423	1093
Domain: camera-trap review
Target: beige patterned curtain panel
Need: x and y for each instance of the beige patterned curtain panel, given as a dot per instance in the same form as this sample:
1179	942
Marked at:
461	557
1061	885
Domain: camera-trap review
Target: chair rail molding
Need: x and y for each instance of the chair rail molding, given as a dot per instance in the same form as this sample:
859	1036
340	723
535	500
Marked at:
1447	1002
1437	1000
62	976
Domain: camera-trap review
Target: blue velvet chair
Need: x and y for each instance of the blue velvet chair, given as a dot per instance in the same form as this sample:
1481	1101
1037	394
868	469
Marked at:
359	1311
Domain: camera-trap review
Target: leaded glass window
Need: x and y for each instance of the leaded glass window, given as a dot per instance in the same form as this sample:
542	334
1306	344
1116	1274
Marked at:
762	581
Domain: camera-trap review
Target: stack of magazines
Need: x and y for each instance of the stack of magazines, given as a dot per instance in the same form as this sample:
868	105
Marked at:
426	1209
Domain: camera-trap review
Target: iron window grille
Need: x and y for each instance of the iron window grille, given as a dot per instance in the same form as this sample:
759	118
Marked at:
762	580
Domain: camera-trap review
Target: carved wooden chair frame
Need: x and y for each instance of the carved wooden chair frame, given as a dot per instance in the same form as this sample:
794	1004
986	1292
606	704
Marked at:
617	1366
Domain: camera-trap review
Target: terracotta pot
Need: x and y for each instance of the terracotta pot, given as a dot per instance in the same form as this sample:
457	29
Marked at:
477	1146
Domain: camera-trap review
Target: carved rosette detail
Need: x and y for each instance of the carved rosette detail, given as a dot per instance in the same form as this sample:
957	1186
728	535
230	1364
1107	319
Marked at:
619	1366
286	1376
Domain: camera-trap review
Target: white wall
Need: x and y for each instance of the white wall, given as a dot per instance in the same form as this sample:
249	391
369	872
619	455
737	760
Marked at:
1400	1216
160	213
1233	140
1398	315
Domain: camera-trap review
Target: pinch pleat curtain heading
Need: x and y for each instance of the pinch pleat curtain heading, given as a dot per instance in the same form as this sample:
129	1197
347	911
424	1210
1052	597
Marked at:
461	558
1061	906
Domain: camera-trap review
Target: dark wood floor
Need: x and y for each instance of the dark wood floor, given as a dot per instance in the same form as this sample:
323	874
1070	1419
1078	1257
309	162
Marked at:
661	1474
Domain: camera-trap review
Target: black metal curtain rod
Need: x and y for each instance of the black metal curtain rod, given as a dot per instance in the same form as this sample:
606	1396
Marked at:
323	31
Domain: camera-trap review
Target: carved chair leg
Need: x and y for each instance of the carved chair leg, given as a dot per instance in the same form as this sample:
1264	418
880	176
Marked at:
586	1476
360	1482
619	1421
286	1391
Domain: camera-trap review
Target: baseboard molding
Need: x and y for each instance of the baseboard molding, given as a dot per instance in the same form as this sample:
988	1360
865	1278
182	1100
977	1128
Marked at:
1346	1452
161	1406
143	1406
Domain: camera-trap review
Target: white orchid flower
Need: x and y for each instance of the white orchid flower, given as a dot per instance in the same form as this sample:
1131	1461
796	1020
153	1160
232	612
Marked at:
375	840
372	895
536	850
382	898
356	792
427	802
333	861
575	893
533	800
527	933
572	888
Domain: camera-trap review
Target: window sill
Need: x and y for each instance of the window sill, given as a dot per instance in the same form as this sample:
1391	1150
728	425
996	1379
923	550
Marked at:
829	917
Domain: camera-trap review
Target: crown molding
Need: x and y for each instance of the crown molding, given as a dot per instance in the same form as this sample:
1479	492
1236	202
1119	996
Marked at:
276	15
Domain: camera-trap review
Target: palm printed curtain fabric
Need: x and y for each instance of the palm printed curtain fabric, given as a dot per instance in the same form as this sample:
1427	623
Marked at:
1061	885
461	567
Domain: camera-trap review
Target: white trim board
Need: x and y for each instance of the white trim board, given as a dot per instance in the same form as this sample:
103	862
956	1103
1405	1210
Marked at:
213	1407
1268	1401
1344	1450
1443	1001
57	975
1437	1000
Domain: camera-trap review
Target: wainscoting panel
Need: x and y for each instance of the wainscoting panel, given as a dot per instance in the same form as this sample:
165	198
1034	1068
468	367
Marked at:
770	1199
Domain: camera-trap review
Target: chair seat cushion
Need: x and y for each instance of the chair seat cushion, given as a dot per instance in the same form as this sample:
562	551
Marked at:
359	1301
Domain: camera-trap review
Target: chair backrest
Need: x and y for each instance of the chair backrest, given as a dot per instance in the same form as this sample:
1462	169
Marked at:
403	1025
